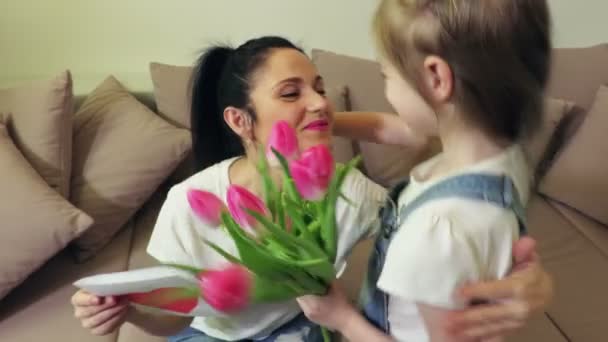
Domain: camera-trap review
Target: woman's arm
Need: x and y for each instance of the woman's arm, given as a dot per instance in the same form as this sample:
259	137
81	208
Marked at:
528	290
380	128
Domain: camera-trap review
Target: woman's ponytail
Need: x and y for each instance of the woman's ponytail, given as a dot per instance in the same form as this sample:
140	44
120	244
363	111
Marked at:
212	140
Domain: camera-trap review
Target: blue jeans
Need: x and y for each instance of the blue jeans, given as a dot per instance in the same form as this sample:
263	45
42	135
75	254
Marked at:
300	325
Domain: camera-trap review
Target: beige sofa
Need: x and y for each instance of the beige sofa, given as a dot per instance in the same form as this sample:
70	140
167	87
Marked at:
573	246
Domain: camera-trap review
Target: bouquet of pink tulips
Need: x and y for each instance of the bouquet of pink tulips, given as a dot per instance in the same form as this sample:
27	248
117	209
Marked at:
286	243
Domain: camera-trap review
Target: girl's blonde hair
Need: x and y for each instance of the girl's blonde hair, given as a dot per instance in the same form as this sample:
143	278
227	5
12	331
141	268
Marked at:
498	51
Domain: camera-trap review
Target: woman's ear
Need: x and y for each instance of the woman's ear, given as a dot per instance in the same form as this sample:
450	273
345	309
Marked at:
438	79
239	121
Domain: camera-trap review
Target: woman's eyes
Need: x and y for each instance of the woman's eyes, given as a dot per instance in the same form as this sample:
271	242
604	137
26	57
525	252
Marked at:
292	94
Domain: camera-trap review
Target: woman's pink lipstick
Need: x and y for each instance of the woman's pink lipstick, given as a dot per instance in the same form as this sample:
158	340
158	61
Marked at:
318	125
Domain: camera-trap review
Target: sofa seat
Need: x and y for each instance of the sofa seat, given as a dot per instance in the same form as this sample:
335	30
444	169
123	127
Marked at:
33	310
574	249
138	258
40	308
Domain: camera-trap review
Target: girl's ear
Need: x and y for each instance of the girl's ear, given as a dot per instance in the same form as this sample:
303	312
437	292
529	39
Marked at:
438	79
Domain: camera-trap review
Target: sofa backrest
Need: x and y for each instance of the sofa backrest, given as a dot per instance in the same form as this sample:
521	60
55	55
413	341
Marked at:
577	73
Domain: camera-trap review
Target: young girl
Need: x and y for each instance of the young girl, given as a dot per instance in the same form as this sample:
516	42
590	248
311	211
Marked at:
471	72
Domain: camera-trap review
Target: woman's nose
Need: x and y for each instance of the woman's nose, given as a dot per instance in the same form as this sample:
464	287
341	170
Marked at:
318	103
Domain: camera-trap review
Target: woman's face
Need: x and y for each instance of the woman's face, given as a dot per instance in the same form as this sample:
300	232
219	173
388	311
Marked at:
287	87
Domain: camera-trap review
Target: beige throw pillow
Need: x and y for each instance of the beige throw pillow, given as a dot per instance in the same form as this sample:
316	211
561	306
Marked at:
541	146
122	152
36	221
172	92
579	177
39	119
577	73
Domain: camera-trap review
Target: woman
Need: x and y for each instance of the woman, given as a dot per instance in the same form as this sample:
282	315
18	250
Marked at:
238	94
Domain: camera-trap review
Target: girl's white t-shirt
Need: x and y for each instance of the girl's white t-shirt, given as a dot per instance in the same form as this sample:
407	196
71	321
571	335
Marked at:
178	237
447	243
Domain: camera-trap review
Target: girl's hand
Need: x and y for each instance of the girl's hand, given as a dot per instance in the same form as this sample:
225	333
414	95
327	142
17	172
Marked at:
100	315
528	290
332	310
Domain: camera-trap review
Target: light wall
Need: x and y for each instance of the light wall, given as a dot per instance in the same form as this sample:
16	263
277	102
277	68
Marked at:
97	38
579	23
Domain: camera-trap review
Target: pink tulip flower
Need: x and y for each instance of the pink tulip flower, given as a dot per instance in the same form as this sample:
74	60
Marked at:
207	206
227	290
284	140
239	201
313	171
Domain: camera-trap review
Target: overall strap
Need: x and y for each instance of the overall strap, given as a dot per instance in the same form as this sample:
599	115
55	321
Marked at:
396	190
495	189
388	212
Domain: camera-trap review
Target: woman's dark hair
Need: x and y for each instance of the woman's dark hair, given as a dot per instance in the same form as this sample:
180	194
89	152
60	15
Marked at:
222	78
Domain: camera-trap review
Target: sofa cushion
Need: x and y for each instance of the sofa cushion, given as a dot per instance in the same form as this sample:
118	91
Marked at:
595	232
555	110
122	152
541	146
172	92
44	299
578	177
576	73
539	328
579	306
39	119
36	221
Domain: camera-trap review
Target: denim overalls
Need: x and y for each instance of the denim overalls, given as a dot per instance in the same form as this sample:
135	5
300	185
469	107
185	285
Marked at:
498	190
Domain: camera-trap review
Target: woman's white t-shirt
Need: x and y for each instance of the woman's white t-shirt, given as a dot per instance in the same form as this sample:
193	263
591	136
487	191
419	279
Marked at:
178	237
448	243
